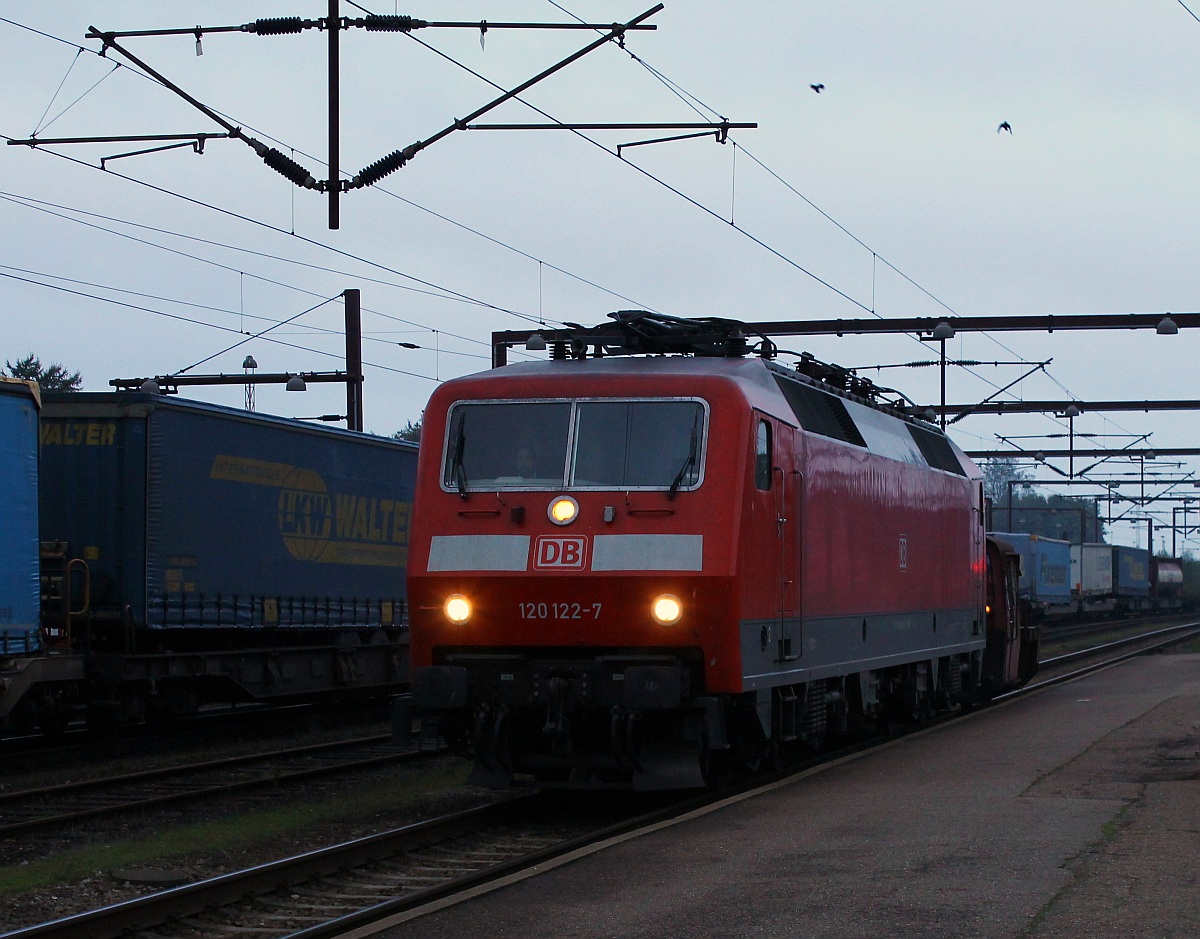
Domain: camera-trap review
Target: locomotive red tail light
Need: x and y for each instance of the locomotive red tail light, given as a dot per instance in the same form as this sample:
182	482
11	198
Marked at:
457	608
666	610
563	510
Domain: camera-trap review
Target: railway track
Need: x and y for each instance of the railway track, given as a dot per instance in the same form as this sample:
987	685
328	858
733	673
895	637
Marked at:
1064	632
78	741
55	808
324	893
1065	665
390	876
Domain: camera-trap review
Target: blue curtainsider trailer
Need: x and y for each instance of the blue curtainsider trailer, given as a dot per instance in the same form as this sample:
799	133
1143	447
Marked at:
19	593
1131	577
199	554
38	687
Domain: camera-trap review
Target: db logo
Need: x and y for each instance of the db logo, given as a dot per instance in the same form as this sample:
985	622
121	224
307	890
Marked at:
557	553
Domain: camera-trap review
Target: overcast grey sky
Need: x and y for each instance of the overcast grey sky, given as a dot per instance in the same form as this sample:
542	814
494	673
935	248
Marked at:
890	193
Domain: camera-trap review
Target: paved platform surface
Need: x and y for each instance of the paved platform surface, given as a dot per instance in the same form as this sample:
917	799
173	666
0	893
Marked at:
1074	813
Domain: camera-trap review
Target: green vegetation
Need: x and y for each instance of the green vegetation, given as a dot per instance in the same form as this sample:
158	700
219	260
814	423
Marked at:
411	431
1051	516
370	803
53	377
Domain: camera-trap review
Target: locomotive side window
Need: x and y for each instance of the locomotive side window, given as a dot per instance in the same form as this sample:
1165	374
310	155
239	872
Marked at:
763	457
618	444
652	444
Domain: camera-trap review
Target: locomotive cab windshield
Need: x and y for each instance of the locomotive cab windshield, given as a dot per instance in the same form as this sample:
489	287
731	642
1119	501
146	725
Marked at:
600	444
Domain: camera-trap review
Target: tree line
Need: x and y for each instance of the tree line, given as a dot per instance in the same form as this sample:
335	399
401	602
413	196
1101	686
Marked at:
1068	518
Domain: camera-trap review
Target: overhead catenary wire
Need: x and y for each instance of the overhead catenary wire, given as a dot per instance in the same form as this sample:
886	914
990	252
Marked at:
873	304
225	122
49	208
258	335
541	316
302	238
372	336
704	110
208	325
661	182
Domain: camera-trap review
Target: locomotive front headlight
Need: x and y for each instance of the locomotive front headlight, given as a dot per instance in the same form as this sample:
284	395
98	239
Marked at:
457	608
563	510
666	610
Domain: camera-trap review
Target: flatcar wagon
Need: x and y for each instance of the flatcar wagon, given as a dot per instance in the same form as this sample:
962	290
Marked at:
639	570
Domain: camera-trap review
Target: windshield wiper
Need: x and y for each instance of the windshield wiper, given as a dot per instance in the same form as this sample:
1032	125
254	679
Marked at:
457	472
690	462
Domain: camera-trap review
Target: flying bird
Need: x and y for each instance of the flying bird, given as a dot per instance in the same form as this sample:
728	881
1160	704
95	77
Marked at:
1004	126
818	88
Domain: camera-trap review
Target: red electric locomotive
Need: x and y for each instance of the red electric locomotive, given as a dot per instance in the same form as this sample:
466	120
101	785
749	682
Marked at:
635	570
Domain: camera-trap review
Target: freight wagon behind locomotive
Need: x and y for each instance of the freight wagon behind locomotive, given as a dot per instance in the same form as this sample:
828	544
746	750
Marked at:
195	554
1045	583
642	570
1166	583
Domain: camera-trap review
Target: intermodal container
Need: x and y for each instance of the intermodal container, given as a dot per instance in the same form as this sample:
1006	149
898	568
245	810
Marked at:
20	594
1131	571
195	515
1166	579
1045	569
1092	570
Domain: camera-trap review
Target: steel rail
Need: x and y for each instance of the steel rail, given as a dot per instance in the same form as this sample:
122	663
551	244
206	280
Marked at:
176	777
179	905
1183	634
1192	628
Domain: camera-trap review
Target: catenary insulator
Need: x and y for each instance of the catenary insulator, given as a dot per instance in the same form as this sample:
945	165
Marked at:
372	174
392	24
286	166
276	26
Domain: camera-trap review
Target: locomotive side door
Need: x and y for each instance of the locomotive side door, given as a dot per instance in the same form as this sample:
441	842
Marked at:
789	527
